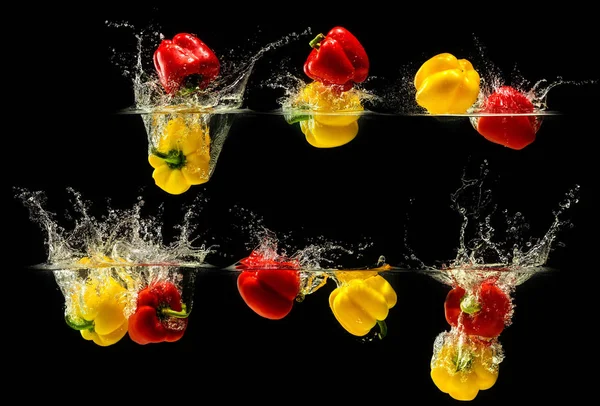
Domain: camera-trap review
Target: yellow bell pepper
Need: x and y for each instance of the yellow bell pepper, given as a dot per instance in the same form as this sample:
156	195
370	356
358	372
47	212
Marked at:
331	118
97	308
463	368
182	157
359	304
446	85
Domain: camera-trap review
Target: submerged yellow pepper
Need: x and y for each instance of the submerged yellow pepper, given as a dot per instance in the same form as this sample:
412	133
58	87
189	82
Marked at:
182	157
97	308
359	304
332	116
446	85
463	369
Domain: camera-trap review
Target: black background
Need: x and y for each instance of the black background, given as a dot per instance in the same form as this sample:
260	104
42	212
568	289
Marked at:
392	182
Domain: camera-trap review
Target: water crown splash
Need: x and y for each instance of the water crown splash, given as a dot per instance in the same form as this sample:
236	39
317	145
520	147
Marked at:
514	256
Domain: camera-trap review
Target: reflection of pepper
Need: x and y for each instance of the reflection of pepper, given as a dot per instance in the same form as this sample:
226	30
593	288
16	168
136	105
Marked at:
159	316
337	58
446	85
337	125
183	57
462	370
359	304
483	312
182	157
269	287
515	132
98	310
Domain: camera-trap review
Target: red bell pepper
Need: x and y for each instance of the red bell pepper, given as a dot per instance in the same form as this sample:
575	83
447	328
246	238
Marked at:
515	132
484	312
160	315
269	287
338	59
182	59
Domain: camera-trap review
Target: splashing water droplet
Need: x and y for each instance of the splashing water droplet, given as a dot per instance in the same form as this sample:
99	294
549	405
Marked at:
123	235
510	259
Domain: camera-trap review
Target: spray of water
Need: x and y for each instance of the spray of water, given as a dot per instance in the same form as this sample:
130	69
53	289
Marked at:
399	96
226	92
125	236
210	109
318	259
512	259
310	253
493	77
124	247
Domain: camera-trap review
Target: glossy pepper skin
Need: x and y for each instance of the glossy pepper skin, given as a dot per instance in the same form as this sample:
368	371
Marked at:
483	312
515	132
463	370
336	125
183	57
98	310
359	304
160	315
267	286
181	158
337	59
446	85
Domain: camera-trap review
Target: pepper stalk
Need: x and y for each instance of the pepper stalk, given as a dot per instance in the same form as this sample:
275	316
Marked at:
316	41
79	324
167	311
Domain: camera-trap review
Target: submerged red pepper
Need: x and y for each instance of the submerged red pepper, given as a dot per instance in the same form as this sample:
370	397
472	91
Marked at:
484	312
512	131
337	58
268	287
160	315
182	58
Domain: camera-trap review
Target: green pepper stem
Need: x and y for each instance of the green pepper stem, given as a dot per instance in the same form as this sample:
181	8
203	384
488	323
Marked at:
169	158
173	161
174	313
297	118
316	41
382	329
174	158
159	154
186	91
462	360
469	304
84	325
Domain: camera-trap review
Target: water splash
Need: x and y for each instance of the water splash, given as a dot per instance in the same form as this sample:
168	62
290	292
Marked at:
318	259
312	253
492	77
293	87
399	96
122	236
291	80
224	93
480	254
202	110
123	250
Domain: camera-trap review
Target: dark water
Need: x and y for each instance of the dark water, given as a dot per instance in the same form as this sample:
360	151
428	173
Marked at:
390	192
